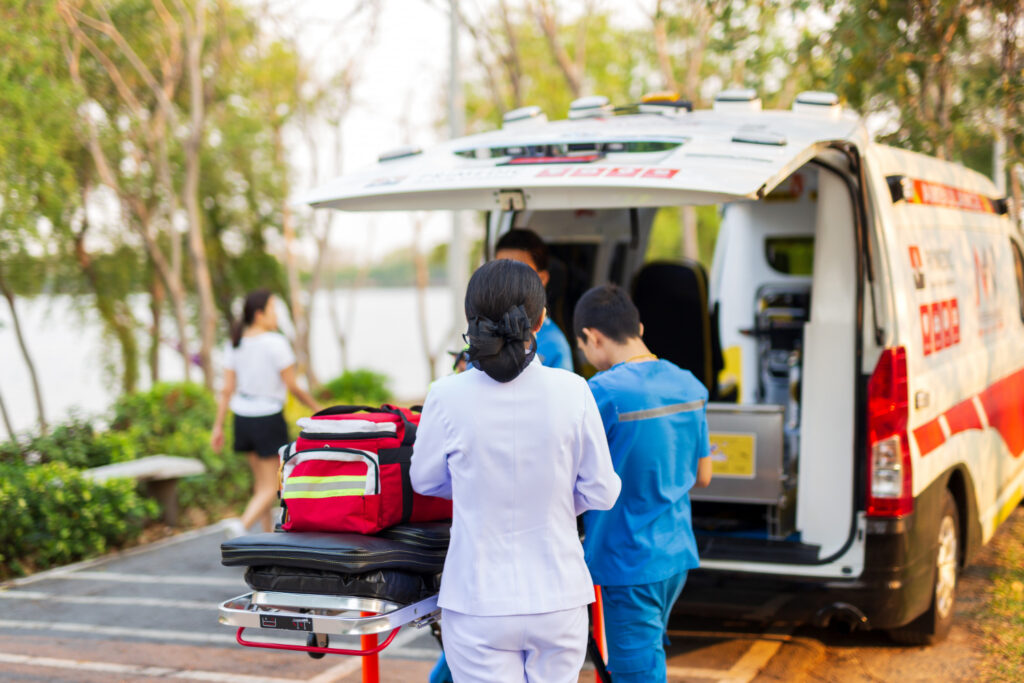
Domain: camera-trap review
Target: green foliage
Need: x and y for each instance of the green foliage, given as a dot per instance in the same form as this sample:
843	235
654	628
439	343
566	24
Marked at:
175	419
53	516
666	241
356	387
75	443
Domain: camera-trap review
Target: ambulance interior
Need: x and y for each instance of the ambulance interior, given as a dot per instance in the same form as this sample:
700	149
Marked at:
770	329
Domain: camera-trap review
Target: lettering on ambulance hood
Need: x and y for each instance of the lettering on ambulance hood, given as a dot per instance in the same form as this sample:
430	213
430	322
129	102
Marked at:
990	314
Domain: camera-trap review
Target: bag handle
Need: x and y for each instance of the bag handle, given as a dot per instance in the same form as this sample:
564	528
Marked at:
345	410
409	432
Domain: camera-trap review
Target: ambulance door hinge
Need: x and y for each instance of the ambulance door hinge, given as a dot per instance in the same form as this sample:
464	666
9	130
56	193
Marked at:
511	200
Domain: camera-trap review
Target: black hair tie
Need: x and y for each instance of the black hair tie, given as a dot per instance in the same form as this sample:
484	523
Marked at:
488	338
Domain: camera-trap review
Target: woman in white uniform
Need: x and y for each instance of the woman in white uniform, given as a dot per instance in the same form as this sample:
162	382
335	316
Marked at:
521	451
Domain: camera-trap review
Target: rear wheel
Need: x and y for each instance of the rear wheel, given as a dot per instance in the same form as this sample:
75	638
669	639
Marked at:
933	626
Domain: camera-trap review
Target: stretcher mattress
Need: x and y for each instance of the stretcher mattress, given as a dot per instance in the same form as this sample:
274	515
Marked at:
393	585
416	547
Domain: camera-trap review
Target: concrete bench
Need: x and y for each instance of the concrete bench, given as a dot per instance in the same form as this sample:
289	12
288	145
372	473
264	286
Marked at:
160	475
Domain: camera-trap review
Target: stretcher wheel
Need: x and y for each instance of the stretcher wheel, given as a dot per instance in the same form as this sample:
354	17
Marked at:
317	640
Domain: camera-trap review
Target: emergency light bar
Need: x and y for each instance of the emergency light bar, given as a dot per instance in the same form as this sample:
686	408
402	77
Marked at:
587	107
818	103
400	153
736	100
532	113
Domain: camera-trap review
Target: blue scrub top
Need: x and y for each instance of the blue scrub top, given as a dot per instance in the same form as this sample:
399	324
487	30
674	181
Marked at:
655	416
552	346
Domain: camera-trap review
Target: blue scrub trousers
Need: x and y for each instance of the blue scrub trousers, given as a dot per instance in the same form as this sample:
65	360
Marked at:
635	621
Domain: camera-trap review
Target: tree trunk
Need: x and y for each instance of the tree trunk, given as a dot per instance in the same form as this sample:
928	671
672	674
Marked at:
114	312
422	279
661	46
6	418
688	225
9	295
156	301
195	31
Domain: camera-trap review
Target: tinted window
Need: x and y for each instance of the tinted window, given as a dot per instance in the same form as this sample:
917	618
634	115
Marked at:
790	255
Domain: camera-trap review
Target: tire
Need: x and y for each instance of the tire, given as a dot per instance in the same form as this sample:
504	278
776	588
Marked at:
933	626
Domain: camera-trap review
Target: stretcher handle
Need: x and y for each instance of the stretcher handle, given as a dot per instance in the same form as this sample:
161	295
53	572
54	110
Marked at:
322	650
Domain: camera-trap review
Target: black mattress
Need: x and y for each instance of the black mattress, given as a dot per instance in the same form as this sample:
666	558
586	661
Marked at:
415	547
401	564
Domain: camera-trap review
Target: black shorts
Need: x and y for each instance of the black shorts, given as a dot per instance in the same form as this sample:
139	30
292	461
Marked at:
264	434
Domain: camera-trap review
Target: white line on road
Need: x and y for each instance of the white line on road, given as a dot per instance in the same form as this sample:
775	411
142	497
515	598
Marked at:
148	633
58	572
173	603
762	649
135	670
184	580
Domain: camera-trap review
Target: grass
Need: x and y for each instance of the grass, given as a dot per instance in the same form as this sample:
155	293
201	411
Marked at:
1002	618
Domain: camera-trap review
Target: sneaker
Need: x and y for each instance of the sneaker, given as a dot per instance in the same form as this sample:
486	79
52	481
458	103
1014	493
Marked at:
233	527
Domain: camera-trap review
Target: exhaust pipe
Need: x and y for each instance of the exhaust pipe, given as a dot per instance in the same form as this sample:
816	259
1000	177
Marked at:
843	611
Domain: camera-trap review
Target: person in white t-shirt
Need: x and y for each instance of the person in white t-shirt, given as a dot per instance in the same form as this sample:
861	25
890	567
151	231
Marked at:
259	371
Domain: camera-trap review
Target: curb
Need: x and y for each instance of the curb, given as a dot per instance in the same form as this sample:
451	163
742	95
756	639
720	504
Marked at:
57	572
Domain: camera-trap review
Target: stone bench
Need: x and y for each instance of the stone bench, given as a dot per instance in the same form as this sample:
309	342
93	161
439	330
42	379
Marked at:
159	474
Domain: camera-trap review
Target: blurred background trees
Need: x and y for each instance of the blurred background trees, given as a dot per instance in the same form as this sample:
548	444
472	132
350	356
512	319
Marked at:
149	149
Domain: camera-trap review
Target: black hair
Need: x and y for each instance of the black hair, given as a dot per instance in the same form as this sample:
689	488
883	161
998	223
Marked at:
523	239
609	310
504	302
255	301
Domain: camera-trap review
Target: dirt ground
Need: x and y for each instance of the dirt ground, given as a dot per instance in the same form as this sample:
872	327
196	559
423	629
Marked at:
969	654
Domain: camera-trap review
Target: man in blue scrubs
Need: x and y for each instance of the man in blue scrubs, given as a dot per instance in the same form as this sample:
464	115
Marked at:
527	247
654	415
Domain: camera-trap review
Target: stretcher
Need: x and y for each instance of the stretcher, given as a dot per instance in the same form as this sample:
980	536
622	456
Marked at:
327	584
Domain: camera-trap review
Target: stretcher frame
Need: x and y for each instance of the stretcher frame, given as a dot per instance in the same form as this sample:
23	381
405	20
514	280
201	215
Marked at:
324	615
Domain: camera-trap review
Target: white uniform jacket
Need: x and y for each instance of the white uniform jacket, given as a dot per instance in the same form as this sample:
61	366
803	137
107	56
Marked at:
520	460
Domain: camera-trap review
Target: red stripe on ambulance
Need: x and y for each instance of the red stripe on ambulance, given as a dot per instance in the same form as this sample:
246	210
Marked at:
1003	406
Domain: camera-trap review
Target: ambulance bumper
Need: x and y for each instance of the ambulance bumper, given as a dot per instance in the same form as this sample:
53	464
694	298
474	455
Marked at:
894	588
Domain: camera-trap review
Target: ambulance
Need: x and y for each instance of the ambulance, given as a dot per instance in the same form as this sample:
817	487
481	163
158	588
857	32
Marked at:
860	331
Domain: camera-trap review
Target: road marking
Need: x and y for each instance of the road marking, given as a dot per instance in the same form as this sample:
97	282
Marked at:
755	659
136	670
339	671
109	600
148	633
762	649
58	572
124	577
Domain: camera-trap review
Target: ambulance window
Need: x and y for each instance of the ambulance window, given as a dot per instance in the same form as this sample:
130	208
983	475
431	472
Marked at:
790	255
1018	267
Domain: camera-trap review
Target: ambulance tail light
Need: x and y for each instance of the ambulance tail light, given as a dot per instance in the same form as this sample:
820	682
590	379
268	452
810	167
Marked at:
890	491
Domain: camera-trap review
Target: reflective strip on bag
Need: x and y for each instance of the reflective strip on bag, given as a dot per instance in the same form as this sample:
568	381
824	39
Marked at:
324	487
331	493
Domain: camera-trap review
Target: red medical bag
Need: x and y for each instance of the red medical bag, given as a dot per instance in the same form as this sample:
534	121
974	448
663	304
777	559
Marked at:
349	472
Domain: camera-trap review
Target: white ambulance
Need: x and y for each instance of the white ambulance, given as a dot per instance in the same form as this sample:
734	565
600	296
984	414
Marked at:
861	331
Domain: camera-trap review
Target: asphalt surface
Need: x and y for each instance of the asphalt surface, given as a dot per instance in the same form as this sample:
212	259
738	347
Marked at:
151	613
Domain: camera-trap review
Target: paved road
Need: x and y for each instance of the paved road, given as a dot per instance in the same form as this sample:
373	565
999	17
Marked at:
152	613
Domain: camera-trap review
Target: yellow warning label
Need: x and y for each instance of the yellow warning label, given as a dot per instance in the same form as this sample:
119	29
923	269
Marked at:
733	455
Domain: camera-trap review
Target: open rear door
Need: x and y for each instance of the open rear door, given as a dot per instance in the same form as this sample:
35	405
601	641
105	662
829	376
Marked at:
632	161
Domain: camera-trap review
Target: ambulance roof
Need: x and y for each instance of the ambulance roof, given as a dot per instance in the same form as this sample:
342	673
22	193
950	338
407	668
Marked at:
644	159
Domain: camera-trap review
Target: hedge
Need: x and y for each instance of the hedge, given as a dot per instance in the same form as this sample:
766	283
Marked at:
53	516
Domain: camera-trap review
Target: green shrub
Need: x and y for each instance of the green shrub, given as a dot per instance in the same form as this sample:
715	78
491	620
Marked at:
356	387
176	419
54	516
162	410
74	442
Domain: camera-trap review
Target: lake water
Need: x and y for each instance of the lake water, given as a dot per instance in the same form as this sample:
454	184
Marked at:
74	360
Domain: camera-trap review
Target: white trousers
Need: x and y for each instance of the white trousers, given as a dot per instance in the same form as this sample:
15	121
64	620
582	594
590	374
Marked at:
538	648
